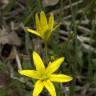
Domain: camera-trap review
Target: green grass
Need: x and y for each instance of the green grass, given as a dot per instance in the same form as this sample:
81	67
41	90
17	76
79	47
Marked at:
79	53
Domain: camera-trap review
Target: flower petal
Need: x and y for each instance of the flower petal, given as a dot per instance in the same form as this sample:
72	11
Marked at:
43	23
38	63
52	67
30	73
37	20
37	23
38	88
60	78
51	22
32	31
43	20
50	87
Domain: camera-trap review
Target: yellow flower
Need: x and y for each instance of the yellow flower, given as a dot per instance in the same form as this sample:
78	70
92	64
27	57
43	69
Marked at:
44	75
44	28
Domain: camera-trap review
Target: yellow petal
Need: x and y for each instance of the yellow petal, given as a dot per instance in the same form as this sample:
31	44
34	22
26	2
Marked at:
30	73
38	63
37	23
43	23
51	22
32	31
38	88
50	87
37	20
52	67
60	78
43	20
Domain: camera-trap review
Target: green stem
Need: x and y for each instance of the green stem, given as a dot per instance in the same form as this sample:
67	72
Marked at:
46	52
26	41
73	26
90	65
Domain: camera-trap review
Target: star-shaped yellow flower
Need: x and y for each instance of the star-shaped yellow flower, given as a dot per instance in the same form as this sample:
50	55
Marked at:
44	28
44	75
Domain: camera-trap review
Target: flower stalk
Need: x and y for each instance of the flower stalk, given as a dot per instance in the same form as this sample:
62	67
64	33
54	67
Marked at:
46	52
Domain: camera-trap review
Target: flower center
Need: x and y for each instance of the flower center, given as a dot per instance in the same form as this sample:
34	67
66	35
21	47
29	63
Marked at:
44	77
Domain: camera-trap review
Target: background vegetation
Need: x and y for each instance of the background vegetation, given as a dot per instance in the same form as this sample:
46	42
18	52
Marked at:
75	39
